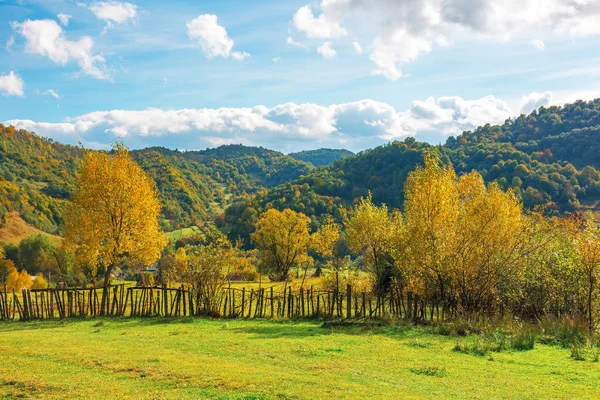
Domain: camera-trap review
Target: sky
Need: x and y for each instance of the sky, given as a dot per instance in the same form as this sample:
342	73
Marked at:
288	75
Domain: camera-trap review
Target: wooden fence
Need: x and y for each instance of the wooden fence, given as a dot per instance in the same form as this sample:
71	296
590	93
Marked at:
121	301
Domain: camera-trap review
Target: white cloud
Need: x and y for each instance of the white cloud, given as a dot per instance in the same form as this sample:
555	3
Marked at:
402	31
64	19
11	85
327	51
292	42
239	55
398	48
321	27
538	44
46	38
213	38
356	125
52	93
10	42
113	12
357	47
535	100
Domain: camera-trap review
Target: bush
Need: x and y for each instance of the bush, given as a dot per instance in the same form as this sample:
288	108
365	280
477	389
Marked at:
39	282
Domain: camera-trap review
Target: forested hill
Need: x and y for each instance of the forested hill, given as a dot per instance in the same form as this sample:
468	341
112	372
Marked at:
551	155
321	157
37	175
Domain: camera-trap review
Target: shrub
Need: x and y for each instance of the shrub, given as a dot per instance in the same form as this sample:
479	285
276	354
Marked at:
39	282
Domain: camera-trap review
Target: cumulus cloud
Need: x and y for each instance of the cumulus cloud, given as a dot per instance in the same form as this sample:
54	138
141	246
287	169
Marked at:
46	38
52	93
535	100
64	19
327	51
538	44
11	84
290	126
113	12
405	30
321	27
213	38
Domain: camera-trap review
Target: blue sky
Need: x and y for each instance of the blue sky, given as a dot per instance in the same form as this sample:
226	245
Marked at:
288	75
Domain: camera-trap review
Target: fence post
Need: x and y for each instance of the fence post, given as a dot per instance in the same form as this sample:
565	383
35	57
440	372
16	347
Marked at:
272	309
348	301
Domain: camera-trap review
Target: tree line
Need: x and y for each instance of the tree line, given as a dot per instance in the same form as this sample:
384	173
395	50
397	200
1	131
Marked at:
471	247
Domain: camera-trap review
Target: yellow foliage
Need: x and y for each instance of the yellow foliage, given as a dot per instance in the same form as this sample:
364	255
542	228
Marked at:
283	238
40	282
113	214
18	281
375	233
461	234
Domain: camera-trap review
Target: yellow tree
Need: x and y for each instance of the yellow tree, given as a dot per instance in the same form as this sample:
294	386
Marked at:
113	215
373	232
209	266
327	242
283	239
490	236
587	244
431	210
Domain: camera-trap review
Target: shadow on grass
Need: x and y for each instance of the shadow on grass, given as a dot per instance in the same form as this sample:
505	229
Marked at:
257	328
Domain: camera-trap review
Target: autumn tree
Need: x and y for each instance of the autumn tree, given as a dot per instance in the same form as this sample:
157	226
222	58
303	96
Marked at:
464	236
209	266
327	242
373	232
113	214
431	209
283	239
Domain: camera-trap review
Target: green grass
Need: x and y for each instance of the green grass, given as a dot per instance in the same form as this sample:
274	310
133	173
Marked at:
184	232
238	359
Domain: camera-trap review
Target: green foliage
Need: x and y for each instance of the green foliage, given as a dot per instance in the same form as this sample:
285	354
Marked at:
36	254
37	175
321	157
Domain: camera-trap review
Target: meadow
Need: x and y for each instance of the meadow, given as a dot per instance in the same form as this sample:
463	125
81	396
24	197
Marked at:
261	359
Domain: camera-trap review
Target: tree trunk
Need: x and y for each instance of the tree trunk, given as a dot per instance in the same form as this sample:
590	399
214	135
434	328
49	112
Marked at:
590	302
103	305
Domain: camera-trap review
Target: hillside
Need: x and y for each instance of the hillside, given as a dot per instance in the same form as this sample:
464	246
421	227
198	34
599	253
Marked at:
547	157
321	157
16	229
37	175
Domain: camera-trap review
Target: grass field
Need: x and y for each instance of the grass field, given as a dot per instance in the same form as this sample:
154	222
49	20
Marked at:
199	358
184	232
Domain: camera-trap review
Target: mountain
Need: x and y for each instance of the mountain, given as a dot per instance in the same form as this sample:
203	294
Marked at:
37	176
548	156
321	157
